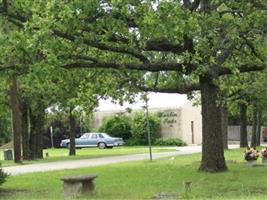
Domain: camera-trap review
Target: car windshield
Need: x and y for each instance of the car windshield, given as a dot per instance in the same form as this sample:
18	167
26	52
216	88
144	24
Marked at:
105	135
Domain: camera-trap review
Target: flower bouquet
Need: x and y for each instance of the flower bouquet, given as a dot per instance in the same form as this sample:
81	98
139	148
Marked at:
264	155
251	154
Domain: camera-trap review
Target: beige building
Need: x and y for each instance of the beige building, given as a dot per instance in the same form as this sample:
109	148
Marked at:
183	122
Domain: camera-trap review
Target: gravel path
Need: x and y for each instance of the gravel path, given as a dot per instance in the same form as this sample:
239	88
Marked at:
72	164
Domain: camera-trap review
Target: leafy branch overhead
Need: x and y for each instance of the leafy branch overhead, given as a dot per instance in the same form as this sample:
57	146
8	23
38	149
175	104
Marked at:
149	36
164	37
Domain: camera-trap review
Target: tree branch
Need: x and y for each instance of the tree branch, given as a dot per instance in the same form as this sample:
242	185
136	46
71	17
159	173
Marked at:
152	67
244	68
191	5
187	4
15	22
195	5
177	89
102	46
78	57
234	12
163	44
182	89
252	48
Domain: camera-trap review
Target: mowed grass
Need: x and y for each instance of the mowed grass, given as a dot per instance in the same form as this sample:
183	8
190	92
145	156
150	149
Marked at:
85	153
144	179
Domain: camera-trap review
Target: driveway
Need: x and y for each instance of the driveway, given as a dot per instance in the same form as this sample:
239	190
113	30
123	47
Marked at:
72	164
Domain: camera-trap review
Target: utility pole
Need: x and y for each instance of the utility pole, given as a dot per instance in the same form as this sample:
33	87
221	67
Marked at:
51	135
148	127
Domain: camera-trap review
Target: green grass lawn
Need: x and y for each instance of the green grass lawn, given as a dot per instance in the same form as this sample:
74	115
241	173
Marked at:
143	179
62	153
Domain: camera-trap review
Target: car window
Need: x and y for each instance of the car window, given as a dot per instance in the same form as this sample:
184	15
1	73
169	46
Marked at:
85	136
100	136
94	136
105	135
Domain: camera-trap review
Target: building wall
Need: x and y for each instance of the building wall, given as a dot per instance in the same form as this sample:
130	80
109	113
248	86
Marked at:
99	116
175	122
170	122
234	133
191	120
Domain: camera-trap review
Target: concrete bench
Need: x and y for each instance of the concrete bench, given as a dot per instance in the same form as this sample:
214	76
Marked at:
78	184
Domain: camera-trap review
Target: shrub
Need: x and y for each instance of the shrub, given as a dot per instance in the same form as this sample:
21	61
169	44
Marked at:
139	127
117	126
2	176
132	142
169	142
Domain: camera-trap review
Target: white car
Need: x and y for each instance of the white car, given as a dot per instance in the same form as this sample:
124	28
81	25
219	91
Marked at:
101	140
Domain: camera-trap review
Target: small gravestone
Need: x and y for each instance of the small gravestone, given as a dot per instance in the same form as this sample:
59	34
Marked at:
264	159
251	163
166	195
232	161
259	165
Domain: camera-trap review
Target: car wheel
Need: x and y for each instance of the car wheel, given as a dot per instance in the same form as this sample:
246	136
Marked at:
101	145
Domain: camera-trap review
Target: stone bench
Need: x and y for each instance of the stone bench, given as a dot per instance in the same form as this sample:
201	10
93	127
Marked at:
78	184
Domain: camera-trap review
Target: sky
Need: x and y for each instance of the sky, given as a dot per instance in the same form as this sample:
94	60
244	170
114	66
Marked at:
155	100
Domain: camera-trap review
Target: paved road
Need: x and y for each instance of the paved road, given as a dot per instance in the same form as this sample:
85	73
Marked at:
72	164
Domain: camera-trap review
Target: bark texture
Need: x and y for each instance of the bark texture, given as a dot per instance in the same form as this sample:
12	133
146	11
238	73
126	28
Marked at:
16	119
243	125
72	151
212	141
258	133
254	128
37	117
224	115
25	130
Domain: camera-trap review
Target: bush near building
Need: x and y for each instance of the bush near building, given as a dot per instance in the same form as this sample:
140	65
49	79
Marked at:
117	126
169	142
2	176
139	128
134	129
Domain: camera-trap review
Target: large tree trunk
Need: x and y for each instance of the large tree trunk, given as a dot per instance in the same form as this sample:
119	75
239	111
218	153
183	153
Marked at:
37	117
72	151
254	128
40	137
224	115
33	137
25	131
16	120
258	134
212	140
40	118
243	125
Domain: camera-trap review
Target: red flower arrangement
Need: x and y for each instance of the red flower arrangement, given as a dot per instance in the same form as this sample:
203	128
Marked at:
264	152
251	154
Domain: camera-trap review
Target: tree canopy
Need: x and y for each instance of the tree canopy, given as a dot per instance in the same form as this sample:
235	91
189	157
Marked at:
163	46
